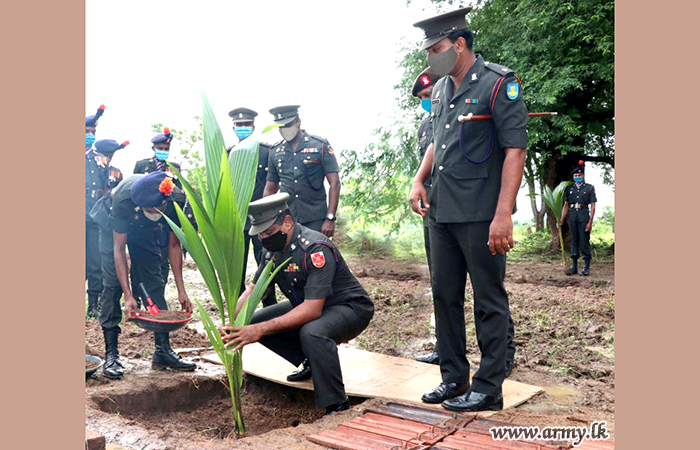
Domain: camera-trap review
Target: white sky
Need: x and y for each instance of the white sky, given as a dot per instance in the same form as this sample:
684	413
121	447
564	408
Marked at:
148	61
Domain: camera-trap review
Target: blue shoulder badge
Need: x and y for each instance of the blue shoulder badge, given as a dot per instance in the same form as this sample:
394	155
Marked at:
513	90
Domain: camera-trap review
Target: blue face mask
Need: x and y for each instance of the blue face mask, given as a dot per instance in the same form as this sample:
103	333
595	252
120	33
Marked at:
243	132
425	104
578	179
89	140
162	155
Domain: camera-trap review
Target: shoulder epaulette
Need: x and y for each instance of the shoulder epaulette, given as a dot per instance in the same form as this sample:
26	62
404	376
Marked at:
499	69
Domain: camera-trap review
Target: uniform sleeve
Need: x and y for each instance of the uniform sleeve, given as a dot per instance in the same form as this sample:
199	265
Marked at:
272	174
510	115
171	212
119	218
319	279
330	163
593	198
138	168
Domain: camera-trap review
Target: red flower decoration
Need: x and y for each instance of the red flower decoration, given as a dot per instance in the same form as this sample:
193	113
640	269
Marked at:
166	186
125	143
580	163
166	130
102	107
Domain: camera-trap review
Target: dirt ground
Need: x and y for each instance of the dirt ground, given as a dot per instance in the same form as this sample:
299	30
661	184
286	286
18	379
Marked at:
564	336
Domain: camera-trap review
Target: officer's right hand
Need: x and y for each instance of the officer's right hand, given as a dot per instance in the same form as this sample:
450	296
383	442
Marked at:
419	199
130	306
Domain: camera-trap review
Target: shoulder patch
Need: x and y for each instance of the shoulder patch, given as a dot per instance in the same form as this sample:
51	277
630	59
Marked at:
318	259
513	90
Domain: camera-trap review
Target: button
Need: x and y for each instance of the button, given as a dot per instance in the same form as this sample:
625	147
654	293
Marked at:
297	195
447	126
295	168
452	106
440	168
295	181
444	146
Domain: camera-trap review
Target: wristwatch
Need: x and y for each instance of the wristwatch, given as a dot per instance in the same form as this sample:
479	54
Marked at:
331	217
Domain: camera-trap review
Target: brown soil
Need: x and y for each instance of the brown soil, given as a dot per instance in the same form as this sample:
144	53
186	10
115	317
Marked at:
91	364
164	315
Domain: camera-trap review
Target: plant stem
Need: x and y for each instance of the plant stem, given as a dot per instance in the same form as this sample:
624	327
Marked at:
561	244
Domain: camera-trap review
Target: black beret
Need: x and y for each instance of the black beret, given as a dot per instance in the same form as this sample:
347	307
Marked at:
424	80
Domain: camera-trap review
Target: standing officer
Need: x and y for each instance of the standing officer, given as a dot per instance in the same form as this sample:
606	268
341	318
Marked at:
243	126
95	165
577	199
476	172
326	306
133	216
300	163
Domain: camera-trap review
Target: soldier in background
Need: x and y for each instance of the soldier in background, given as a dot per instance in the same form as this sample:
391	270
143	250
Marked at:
576	202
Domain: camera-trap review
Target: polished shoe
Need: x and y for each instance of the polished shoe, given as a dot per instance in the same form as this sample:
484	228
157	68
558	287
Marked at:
165	358
586	268
338	407
432	358
113	368
444	392
509	368
302	374
474	401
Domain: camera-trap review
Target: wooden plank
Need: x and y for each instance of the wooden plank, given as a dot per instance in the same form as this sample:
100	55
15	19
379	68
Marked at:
368	374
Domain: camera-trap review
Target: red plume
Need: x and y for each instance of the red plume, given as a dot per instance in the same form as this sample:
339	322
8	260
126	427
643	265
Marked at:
102	107
580	163
125	143
166	130
166	186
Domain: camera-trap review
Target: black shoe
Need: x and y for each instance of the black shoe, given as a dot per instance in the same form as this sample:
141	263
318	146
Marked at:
509	368
338	407
165	358
432	358
474	401
444	392
586	268
113	368
302	374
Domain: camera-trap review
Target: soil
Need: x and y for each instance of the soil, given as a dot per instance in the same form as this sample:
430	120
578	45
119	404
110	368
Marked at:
91	364
165	316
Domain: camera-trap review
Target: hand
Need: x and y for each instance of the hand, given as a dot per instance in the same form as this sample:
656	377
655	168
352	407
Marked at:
501	235
130	305
588	227
328	228
240	336
418	196
184	302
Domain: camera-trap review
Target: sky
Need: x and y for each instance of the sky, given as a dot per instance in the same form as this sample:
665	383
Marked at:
149	61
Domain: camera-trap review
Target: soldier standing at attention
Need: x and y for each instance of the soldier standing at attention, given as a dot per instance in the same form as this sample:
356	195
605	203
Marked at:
576	202
298	165
243	126
94	189
476	169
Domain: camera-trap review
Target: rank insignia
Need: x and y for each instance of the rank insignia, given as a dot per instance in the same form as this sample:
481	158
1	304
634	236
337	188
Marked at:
292	268
330	150
318	259
471	100
513	90
310	150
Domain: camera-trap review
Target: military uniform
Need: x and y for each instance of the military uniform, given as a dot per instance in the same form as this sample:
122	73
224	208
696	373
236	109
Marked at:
316	271
579	198
302	173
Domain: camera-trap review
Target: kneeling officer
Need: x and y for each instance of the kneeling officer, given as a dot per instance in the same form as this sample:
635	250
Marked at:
326	304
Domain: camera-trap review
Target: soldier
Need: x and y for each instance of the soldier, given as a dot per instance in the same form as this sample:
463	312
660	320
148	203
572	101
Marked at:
298	165
476	172
577	199
94	189
326	306
132	216
243	126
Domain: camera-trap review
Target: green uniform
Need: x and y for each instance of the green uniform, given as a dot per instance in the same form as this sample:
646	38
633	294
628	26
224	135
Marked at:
316	271
301	173
579	197
466	182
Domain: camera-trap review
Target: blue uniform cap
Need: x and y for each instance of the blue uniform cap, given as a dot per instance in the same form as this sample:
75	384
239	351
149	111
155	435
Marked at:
581	167
91	121
163	138
109	145
152	190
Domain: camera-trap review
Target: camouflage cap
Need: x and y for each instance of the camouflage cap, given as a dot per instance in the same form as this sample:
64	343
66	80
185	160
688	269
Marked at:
439	27
264	212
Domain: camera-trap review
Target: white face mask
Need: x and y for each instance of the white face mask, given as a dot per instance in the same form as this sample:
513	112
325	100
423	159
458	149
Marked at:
289	133
156	216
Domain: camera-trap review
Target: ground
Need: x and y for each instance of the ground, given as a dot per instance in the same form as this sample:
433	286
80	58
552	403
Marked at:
564	336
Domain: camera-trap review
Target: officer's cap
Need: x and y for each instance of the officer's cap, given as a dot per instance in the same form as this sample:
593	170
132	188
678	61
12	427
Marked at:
264	212
581	167
91	121
424	80
242	115
152	190
439	27
285	114
163	138
106	146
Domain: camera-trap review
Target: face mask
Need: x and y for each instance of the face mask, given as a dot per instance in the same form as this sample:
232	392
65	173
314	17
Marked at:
443	63
578	179
154	216
162	155
89	140
243	132
425	104
289	133
276	242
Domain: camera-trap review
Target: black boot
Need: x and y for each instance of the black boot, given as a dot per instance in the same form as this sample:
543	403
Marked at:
338	407
302	374
164	356
113	368
574	266
586	268
93	311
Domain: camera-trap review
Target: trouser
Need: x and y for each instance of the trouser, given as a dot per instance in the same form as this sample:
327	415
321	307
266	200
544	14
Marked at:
110	307
164	271
580	240
93	270
458	249
315	225
316	340
269	298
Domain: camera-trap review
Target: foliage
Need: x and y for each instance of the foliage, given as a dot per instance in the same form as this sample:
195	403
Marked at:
555	202
220	214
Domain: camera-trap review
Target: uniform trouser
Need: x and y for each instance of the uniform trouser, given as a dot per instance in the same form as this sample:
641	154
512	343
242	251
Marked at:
269	298
580	240
93	270
457	249
164	270
511	327
110	307
316	340
315	225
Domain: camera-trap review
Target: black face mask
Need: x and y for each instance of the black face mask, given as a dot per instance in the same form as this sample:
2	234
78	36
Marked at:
276	242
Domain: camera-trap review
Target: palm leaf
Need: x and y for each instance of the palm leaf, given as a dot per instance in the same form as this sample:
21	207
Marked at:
213	144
